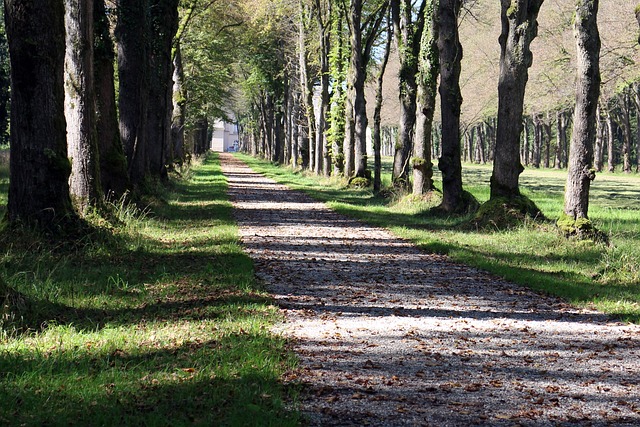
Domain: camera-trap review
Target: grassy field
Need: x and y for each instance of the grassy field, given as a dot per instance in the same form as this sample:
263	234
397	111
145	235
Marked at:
606	277
157	321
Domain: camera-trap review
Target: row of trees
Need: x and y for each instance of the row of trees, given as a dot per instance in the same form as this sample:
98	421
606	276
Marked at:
327	49
88	124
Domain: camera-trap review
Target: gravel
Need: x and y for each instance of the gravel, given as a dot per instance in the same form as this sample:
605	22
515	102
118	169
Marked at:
388	335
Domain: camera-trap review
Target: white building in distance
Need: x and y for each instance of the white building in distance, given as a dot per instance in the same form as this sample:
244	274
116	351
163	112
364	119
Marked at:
225	136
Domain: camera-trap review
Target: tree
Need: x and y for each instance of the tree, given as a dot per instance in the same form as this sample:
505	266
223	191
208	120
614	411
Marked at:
428	68
39	167
519	28
454	199
363	30
114	175
82	147
5	83
581	173
131	33
323	13
376	134
409	25
162	27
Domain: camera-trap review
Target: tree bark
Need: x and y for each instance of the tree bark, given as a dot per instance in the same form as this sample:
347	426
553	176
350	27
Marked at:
519	28
377	143
600	135
82	147
39	167
179	108
428	68
131	34
163	16
114	174
306	84
450	51
323	17
580	175
611	161
408	34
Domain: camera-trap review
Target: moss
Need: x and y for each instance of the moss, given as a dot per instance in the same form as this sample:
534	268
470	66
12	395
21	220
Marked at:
581	228
506	212
359	182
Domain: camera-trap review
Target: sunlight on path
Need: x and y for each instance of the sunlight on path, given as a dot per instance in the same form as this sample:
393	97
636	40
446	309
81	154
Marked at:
388	335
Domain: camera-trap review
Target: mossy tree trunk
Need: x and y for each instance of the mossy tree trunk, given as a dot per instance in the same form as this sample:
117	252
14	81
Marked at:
114	175
519	28
408	26
450	51
39	167
580	175
428	69
82	148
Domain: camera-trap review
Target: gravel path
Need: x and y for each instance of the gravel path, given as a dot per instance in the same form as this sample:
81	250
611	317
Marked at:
391	336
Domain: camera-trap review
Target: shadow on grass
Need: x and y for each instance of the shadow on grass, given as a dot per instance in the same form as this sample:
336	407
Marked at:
202	280
144	387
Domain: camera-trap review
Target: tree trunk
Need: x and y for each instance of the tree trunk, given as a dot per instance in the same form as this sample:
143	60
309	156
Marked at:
526	143
132	76
428	68
408	35
450	51
611	160
537	141
82	147
114	174
547	142
377	144
561	135
306	85
163	15
580	175
519	28
179	107
600	135
323	16
39	167
356	80
626	132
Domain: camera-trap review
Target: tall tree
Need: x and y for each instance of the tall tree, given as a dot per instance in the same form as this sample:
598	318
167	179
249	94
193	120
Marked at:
163	24
323	13
5	83
428	69
450	51
409	24
519	28
131	33
114	175
581	173
363	30
377	112
82	147
39	167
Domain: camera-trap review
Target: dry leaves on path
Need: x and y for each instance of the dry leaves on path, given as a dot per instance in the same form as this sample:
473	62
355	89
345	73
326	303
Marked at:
390	336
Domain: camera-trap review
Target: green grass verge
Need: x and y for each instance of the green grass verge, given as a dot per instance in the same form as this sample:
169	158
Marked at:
535	255
160	323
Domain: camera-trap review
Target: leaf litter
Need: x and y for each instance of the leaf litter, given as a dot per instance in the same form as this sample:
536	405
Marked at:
388	335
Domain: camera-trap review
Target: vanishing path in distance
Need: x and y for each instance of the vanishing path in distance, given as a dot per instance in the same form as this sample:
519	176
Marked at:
391	336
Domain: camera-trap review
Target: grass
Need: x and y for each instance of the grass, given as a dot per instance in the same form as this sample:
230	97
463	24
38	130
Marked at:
156	321
584	273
